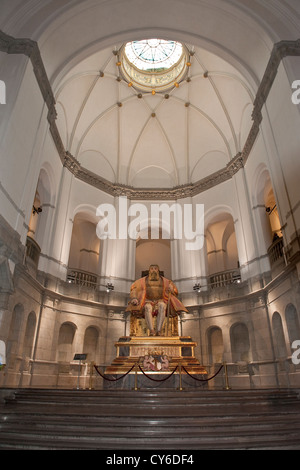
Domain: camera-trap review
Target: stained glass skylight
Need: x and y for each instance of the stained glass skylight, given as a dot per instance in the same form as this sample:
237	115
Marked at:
153	54
153	64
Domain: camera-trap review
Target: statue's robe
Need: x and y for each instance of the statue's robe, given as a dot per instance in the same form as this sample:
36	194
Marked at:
139	289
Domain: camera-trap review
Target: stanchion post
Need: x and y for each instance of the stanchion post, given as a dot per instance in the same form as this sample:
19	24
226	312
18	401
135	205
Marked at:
180	379
135	377
226	377
91	375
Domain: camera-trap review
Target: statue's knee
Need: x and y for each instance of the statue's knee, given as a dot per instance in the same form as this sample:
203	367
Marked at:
161	306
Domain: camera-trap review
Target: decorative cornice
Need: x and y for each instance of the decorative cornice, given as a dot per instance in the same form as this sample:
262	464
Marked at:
30	48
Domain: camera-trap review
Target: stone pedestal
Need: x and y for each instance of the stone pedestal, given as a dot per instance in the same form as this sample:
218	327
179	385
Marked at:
181	368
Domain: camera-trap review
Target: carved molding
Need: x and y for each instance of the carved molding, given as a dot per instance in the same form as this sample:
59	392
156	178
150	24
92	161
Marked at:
30	48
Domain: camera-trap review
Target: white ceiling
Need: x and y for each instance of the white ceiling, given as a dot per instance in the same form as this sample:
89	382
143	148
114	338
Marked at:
153	141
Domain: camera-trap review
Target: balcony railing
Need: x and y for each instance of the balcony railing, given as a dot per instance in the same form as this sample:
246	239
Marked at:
275	251
82	278
224	278
33	251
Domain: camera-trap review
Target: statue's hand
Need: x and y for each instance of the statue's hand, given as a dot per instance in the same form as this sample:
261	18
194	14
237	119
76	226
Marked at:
134	301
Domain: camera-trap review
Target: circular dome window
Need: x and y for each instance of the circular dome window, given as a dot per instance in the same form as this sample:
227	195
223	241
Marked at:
154	64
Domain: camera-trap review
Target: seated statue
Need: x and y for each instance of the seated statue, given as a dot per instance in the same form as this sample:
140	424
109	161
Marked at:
154	295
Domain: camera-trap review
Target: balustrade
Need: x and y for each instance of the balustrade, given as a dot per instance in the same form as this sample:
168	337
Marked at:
33	251
275	251
224	278
82	278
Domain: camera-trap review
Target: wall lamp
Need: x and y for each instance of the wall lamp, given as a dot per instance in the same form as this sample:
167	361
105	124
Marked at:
36	210
197	287
236	278
269	210
109	287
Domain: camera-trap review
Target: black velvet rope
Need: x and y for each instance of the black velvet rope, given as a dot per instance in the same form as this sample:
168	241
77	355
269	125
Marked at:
203	380
113	380
158	380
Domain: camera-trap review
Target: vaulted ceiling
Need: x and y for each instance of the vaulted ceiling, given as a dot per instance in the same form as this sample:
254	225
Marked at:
153	141
163	140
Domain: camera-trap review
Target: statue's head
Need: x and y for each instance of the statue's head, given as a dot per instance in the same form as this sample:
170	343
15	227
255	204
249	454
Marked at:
153	272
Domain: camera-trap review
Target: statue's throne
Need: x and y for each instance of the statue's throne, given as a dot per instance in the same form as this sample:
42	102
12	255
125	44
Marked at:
138	326
177	350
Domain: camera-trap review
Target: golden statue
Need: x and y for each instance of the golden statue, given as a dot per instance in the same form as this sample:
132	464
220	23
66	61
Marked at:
154	296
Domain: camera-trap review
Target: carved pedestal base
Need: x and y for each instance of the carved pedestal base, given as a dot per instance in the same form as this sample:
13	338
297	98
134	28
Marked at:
178	352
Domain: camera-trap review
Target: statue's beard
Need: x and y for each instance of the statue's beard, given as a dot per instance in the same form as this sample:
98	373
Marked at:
153	276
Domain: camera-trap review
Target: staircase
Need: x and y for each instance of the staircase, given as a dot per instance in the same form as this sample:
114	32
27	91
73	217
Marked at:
150	419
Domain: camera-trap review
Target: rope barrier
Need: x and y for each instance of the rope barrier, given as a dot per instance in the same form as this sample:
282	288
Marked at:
113	380
158	380
203	380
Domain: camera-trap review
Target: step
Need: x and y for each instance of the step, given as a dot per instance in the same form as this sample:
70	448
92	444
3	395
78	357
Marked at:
150	419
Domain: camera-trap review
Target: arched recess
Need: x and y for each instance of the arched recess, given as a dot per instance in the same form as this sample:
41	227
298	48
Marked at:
2	353
43	201
292	323
91	343
221	245
39	224
13	342
85	245
269	226
278	335
215	345
151	250
29	334
66	335
240	343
